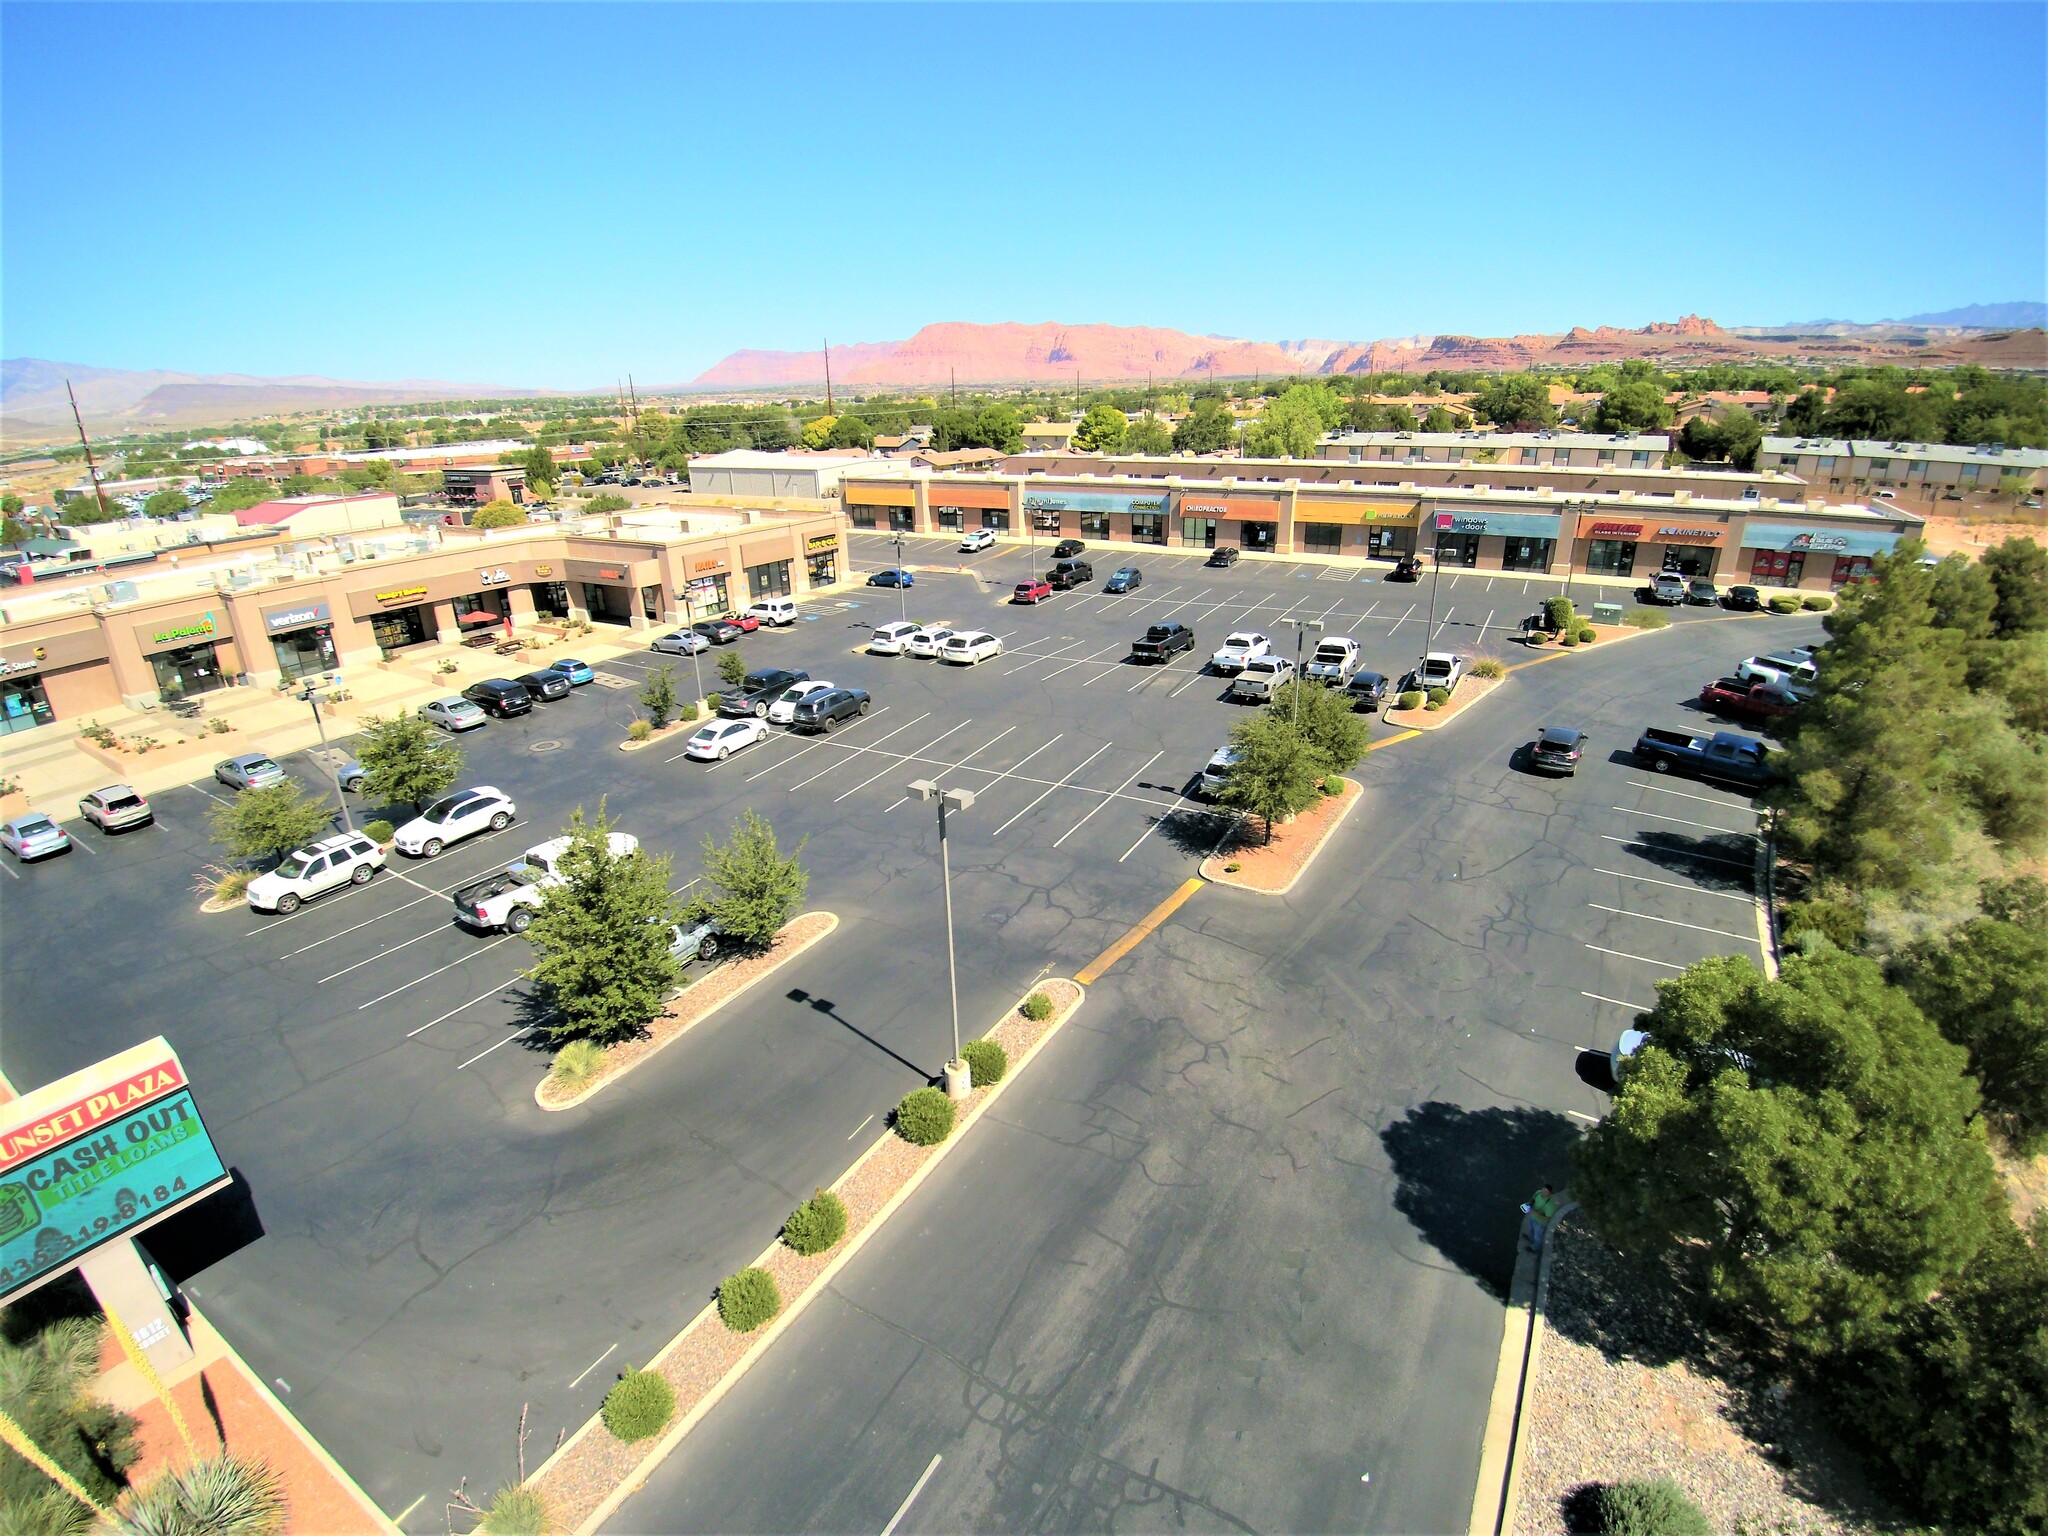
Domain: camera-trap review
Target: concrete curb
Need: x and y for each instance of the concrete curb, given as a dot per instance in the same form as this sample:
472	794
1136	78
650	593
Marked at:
1497	1493
1354	792
676	1432
732	997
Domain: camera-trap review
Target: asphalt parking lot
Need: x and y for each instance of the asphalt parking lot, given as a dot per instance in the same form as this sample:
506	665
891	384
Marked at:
434	1251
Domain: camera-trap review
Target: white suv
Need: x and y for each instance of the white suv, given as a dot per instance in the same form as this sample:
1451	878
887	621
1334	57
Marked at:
978	538
970	646
452	818
350	859
890	639
930	640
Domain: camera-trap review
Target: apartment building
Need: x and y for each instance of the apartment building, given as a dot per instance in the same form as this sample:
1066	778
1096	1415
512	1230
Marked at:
1923	471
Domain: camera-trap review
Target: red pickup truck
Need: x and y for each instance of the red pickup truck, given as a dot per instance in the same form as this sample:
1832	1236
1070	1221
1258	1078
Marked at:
1740	696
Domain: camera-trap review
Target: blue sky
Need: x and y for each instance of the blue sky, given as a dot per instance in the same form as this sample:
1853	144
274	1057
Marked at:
528	194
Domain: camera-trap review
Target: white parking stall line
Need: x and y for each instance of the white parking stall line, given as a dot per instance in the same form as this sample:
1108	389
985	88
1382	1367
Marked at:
1201	671
1618	1002
1622	954
600	1360
391	950
1062	784
1153	674
407	986
1005	731
83	846
1446	619
480	1055
871	746
992	783
1077	826
1110	670
864	783
1488	623
1666	789
910	1498
481	997
812	746
216	799
1699	826
12	874
1176	608
1679	885
1402	620
1319	618
1092	655
327	906
1040	656
1684	853
1375	608
1672	922
1164	817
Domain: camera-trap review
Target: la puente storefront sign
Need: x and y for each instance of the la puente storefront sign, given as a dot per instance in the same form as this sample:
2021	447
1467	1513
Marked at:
96	1156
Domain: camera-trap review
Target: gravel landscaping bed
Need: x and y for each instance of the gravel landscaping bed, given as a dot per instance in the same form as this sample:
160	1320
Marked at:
1272	867
592	1466
1631	1385
1470	692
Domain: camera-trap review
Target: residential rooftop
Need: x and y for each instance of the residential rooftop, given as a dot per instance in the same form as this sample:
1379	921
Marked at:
1655	442
1938	453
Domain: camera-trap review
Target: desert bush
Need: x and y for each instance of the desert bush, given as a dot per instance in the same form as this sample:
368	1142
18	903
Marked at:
517	1509
639	1406
1650	1507
1647	618
817	1224
712	701
1333	785
686	712
99	735
1232	867
1439	697
215	726
1840	922
639	730
925	1117
748	1299
1588	634
1816	603
1784	605
576	1064
380	831
1489	667
1559	615
986	1060
221	883
1412	699
1568	640
1037	1007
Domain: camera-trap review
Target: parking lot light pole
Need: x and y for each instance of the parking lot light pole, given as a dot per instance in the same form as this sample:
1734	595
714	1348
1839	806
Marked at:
958	1079
690	629
902	601
1301	628
1436	575
326	756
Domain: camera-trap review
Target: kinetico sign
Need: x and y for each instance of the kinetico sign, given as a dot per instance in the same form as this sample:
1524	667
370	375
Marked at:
94	1156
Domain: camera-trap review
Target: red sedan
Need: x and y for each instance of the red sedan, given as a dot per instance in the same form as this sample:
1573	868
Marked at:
1031	592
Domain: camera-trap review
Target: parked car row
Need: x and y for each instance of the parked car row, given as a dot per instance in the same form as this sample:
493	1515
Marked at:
504	697
935	642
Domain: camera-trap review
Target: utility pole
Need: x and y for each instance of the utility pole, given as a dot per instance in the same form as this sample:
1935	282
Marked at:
634	396
953	374
828	375
85	443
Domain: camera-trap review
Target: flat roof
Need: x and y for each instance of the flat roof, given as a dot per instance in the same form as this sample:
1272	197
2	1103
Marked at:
759	458
1940	453
1385	466
1654	441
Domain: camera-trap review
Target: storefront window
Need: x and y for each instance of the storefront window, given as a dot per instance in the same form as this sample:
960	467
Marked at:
770	580
550	599
1259	535
1457	549
400	627
949	518
1094	525
708	595
902	519
862	517
188	670
1386	542
607	605
1850	568
1045	522
823	569
1772	568
1322	538
996	518
476	611
1526	554
1148	527
305	652
1612	557
1198	532
23	706
1690	559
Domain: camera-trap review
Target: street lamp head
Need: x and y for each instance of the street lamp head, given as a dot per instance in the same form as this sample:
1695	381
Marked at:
959	799
922	789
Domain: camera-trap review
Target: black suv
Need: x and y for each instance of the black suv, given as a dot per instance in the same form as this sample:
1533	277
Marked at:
499	696
546	684
1069	574
1407	568
822	711
1066	549
758	691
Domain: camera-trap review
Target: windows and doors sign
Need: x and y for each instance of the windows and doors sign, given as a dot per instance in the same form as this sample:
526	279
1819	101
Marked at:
95	1156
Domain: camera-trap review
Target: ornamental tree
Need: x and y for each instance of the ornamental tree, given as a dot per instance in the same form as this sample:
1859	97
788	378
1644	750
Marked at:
406	761
270	822
1101	430
758	888
1278	771
603	937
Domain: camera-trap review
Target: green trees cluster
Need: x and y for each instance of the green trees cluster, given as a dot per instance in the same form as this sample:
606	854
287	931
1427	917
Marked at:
405	760
756	887
1294	422
270	822
497	514
1148	435
1632	399
168	502
1306	733
1101	430
1206	429
1966	405
1517	401
1733	436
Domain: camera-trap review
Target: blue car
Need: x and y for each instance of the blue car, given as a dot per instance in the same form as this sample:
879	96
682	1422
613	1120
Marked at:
898	578
578	672
1129	579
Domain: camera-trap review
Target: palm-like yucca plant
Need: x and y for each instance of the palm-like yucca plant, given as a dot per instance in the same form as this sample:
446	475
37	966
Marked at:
223	1496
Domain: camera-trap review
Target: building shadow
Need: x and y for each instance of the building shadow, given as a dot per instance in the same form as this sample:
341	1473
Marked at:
1464	1173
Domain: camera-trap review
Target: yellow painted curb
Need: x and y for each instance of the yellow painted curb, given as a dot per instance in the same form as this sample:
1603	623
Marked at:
1138	934
819	1284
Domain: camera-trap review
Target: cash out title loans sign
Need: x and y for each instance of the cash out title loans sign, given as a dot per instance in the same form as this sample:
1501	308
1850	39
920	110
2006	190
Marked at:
98	1155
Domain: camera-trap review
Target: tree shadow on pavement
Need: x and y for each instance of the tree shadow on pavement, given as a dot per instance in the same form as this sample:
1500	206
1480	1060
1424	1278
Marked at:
1720	862
1464	1174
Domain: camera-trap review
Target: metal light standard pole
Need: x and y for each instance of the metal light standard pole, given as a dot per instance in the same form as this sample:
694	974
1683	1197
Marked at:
1436	575
958	1081
1301	628
902	601
326	756
696	642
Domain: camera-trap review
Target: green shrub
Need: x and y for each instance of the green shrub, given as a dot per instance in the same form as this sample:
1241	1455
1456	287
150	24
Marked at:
1232	867
1784	605
639	730
686	712
639	1407
1840	922
1490	668
1587	634
748	1299
380	831
1650	1507
1439	697
1816	603
1037	1007
1333	785
1647	618
817	1224
517	1509
576	1064
925	1117
1412	699
986	1060
1567	640
1433	706
711	701
1559	615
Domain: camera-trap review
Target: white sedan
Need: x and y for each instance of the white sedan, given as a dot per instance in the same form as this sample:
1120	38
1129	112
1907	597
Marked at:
783	710
453	714
979	538
453	817
929	641
720	739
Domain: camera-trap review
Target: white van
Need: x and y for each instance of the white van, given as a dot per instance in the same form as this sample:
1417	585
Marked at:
972	646
773	610
890	639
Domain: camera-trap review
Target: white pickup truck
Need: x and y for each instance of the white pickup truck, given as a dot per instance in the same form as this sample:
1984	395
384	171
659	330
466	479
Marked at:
1336	658
509	897
1237	650
1440	669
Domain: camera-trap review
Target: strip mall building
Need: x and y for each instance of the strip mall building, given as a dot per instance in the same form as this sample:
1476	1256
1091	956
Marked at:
310	608
1733	528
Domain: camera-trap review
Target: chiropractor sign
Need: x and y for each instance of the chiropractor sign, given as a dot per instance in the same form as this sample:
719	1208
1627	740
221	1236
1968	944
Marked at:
96	1156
